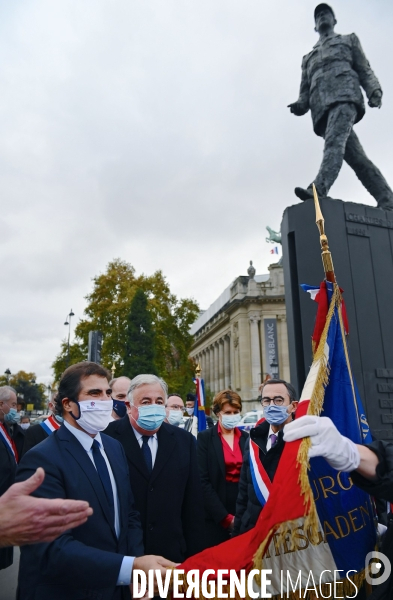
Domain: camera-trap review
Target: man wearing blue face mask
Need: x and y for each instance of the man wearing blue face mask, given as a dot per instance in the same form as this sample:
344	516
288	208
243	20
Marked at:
163	472
8	455
263	451
119	387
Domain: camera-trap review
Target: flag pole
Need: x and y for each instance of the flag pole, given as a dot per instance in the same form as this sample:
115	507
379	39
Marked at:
326	254
198	372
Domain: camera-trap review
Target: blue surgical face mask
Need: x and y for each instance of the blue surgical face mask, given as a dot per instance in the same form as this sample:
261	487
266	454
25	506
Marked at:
175	417
151	416
12	416
59	418
119	407
230	421
275	415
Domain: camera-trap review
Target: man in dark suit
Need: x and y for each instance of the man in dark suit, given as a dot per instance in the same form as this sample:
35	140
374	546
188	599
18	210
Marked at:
39	432
279	405
96	559
163	472
8	456
18	435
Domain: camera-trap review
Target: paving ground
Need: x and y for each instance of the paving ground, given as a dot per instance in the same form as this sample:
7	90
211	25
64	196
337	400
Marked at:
8	579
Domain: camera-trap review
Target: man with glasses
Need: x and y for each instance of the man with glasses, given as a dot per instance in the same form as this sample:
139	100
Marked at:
175	411
278	399
163	471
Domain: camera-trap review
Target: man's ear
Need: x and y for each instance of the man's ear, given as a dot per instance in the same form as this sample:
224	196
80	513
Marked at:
294	403
67	404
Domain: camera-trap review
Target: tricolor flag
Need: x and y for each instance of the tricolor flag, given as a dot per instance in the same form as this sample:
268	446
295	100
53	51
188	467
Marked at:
314	519
274	250
199	418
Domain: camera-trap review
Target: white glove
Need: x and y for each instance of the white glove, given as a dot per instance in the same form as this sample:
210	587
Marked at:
340	452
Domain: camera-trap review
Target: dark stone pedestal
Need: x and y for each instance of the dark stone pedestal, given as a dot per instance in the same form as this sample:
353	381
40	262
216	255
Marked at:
361	241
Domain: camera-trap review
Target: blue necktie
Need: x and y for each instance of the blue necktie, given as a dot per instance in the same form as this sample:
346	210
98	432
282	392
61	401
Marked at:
103	473
273	440
147	453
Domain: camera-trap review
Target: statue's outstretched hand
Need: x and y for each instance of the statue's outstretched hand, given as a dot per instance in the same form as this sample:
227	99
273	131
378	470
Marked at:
298	108
375	100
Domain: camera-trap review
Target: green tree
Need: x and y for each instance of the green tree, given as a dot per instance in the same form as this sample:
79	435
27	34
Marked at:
139	347
27	389
109	305
78	353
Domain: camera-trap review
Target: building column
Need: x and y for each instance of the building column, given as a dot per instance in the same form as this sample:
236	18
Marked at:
255	354
211	369
204	366
227	363
236	383
216	369
221	365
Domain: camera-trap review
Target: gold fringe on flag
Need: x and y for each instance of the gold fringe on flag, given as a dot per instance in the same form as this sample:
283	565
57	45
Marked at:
315	408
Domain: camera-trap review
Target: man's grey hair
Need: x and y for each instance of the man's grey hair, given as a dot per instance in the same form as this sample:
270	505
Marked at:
146	379
6	391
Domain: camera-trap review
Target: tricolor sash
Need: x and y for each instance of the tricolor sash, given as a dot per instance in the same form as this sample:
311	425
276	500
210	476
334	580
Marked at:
50	425
260	478
9	444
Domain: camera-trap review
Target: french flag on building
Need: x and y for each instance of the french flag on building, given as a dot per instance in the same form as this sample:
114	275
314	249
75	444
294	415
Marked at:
274	250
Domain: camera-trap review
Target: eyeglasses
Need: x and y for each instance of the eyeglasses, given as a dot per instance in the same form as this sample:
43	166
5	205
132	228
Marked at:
175	407
277	400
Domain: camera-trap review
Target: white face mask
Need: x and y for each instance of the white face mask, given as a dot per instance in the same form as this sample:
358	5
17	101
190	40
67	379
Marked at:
190	410
25	425
175	417
94	415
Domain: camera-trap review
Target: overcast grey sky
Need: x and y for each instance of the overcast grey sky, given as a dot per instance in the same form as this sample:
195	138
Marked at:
156	131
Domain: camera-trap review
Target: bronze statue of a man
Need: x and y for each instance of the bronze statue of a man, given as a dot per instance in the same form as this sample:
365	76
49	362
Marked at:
332	74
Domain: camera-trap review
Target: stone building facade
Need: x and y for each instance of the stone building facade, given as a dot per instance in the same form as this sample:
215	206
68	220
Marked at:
243	335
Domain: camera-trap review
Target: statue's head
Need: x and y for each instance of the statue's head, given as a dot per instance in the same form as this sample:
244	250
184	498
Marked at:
324	17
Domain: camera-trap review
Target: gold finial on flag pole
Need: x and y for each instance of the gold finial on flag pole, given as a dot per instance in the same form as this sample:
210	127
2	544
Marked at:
326	255
198	370
113	369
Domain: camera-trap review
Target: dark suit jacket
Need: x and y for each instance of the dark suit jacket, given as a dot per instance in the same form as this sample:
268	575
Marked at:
18	435
248	506
34	435
212	471
84	562
170	498
7	477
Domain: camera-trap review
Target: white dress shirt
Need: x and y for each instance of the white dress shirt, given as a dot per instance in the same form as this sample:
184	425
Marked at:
153	443
86	441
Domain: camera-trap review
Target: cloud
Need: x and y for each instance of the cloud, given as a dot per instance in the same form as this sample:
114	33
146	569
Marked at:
157	132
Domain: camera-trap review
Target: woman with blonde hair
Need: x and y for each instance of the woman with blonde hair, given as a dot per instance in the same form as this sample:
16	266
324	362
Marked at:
220	457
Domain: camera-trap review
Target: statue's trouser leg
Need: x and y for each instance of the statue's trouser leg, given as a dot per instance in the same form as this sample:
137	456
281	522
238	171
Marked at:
370	176
338	129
